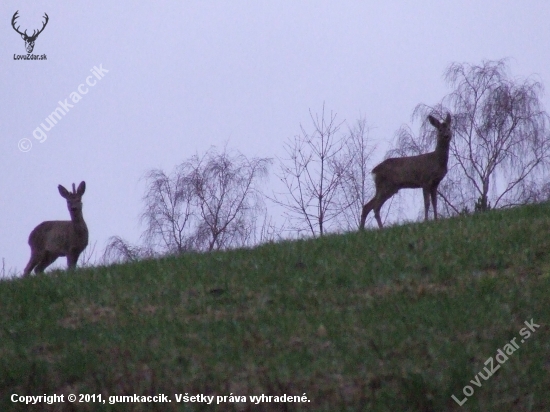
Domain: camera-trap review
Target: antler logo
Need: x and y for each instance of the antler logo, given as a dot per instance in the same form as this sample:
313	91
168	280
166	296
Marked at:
29	40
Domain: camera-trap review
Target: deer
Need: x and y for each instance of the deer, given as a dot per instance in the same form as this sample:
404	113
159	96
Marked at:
55	238
424	171
29	40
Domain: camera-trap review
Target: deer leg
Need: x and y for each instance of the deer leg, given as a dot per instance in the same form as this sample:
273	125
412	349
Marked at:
46	261
434	200
366	210
426	194
379	201
33	261
72	258
377	216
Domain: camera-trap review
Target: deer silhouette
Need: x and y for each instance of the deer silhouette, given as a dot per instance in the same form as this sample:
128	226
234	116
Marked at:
29	40
52	239
423	171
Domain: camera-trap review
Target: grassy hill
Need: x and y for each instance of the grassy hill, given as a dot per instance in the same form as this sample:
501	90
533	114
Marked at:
395	320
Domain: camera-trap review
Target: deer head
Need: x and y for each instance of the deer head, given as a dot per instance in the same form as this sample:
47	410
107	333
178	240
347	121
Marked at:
74	199
29	40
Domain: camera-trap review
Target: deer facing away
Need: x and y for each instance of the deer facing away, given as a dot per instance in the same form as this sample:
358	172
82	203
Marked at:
423	171
52	239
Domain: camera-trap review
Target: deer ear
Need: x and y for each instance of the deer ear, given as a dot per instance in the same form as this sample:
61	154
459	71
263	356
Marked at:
448	119
81	188
62	191
434	121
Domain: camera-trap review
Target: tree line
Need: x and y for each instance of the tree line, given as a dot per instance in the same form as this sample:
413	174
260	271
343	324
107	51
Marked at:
499	156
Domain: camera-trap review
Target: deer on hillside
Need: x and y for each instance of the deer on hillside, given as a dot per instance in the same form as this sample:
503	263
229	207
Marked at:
423	171
52	239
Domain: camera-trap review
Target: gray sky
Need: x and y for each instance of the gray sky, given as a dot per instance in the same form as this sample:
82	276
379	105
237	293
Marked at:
185	75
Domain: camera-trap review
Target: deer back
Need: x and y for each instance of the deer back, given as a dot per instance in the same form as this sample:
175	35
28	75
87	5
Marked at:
59	237
422	170
410	171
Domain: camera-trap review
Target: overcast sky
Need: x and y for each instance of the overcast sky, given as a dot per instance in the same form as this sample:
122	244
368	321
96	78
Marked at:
180	76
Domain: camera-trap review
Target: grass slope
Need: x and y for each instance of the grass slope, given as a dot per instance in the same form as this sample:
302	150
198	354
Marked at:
393	320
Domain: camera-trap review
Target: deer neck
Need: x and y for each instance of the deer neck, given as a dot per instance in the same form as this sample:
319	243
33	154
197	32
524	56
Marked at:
78	221
442	152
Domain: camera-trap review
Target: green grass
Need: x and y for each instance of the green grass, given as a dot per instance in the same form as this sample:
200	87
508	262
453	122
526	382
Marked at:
391	320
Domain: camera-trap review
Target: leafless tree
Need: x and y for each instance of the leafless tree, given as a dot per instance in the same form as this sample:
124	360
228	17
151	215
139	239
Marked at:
119	250
209	202
168	212
501	144
355	169
226	196
312	176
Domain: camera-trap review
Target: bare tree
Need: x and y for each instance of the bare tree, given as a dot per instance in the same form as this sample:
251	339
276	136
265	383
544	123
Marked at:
119	250
312	175
209	202
226	195
355	169
168	212
501	143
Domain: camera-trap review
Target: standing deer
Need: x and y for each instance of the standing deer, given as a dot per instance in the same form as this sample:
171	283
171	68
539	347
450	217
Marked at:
55	238
423	171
